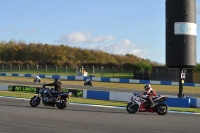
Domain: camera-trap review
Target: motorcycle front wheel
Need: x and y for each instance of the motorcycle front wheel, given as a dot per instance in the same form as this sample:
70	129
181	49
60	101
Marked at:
162	109
132	108
35	101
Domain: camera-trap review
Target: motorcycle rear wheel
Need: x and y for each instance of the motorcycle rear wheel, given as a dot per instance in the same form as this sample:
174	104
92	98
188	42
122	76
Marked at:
61	105
162	109
132	108
35	101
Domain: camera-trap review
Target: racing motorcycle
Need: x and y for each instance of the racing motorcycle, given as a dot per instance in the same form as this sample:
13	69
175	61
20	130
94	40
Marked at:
51	98
37	80
139	104
88	82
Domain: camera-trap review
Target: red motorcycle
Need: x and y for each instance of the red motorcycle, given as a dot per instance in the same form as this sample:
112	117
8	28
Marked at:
139	104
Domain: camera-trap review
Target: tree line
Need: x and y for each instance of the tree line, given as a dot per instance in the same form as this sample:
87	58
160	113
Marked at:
22	53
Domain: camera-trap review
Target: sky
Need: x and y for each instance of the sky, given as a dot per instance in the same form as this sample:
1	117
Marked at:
113	26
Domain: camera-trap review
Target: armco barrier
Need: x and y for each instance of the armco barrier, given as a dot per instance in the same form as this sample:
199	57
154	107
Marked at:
195	102
3	87
119	96
198	103
178	102
101	79
101	95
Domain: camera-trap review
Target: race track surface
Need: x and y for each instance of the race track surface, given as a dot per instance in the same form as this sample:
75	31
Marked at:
17	116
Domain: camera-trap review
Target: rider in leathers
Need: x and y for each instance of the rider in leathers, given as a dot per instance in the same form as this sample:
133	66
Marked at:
149	93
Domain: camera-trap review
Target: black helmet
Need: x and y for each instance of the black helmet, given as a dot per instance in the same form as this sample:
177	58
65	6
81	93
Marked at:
56	80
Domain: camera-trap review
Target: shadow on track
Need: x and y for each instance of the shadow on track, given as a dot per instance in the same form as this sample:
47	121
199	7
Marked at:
112	112
24	106
78	110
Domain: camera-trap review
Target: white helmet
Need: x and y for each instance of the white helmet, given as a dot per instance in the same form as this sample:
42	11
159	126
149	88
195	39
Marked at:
147	86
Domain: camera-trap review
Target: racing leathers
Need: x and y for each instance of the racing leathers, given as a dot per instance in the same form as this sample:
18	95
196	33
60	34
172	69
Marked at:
150	93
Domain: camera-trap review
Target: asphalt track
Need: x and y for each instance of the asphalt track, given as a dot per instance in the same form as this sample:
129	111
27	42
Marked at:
17	116
104	88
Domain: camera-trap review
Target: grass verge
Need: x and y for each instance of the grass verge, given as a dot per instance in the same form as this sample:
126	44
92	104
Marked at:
92	101
131	86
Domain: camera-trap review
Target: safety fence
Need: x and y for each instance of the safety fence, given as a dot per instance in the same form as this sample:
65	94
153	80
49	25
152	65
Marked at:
161	73
97	71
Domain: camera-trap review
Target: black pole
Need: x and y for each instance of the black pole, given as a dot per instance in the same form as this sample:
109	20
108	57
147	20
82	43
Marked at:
180	33
180	95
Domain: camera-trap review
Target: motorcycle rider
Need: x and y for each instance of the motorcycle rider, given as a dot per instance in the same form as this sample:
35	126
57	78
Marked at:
149	93
88	79
37	78
57	86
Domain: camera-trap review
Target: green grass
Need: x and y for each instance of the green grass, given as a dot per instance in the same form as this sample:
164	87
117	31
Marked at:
91	101
164	88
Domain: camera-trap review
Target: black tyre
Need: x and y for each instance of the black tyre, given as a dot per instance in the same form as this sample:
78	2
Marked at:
61	105
35	101
84	84
90	84
132	108
162	109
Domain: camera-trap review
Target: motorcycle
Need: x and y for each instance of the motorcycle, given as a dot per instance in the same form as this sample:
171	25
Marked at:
37	80
88	82
51	98
139	104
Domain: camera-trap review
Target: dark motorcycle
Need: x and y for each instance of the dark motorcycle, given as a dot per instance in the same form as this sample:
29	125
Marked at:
88	82
139	104
51	98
